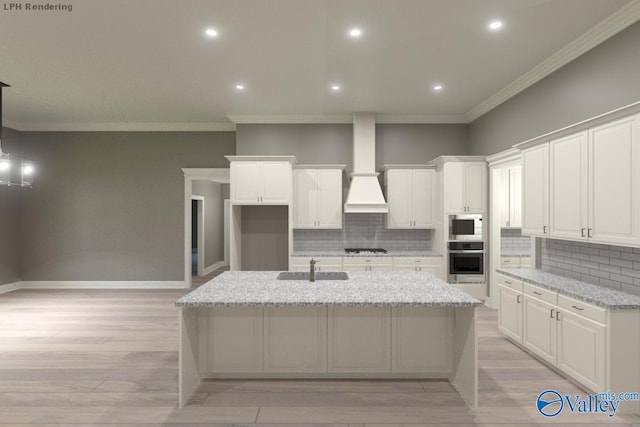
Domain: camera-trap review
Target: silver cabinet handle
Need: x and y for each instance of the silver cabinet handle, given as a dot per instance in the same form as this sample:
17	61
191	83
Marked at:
582	232
577	308
552	310
558	316
544	229
537	293
590	232
507	282
518	299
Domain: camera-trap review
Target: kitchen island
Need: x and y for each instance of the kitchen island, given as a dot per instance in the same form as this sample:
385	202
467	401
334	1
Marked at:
383	325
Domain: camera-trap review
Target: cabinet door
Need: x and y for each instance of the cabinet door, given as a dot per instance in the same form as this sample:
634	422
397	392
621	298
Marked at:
424	191
510	313
568	179
535	190
277	181
515	197
502	175
399	197
305	202
539	328
475	180
329	198
454	188
614	187
581	350
246	182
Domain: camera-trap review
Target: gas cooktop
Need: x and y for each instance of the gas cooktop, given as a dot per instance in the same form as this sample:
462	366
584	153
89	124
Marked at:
365	251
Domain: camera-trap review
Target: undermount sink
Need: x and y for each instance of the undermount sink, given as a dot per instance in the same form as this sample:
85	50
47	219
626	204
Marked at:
320	275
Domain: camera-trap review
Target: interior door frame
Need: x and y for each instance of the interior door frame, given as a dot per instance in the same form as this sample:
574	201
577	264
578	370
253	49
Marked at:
217	175
201	233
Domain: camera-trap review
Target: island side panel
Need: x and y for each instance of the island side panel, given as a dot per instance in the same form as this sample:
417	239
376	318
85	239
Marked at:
189	354
464	377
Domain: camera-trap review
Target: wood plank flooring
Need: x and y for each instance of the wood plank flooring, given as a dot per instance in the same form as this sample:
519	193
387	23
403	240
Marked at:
109	357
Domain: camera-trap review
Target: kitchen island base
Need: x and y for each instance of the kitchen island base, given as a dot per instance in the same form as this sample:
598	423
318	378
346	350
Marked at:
329	342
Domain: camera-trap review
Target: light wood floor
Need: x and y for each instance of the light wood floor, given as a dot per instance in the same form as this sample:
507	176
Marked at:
109	357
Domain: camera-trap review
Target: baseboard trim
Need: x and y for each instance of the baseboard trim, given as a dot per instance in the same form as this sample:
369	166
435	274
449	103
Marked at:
9	287
214	267
99	284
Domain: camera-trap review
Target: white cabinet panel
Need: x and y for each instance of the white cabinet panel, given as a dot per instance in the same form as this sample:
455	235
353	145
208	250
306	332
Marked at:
411	197
318	198
359	339
295	339
424	196
305	202
510	313
246	182
455	188
539	328
535	191
614	185
465	187
515	197
329	198
476	187
261	182
568	187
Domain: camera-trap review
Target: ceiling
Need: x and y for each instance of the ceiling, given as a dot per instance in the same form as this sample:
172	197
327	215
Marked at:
147	64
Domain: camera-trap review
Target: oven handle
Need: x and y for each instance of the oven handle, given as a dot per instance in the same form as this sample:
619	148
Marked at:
464	251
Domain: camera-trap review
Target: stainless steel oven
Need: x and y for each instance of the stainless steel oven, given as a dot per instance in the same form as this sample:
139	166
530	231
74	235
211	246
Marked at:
465	227
466	262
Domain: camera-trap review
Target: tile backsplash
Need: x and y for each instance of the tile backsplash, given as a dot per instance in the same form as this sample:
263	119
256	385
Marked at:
362	231
613	266
513	242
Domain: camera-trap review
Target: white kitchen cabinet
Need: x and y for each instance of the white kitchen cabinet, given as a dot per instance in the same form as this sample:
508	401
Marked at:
510	308
317	198
367	264
295	339
322	263
411	197
359	339
535	191
465	187
511	197
256	182
539	328
431	265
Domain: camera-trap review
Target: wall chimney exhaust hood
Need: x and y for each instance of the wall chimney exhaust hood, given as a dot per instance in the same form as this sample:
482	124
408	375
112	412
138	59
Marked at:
365	194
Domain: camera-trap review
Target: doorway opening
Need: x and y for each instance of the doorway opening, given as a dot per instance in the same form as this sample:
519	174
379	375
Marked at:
197	236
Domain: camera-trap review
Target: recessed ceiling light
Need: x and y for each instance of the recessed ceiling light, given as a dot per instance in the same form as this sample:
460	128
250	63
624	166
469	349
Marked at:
211	32
355	32
437	88
335	88
495	25
239	86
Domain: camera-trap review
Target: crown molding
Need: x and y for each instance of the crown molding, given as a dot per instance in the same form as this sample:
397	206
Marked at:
345	119
421	119
122	127
616	22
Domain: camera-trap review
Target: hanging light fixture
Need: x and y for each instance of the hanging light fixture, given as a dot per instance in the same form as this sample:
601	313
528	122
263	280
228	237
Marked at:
13	170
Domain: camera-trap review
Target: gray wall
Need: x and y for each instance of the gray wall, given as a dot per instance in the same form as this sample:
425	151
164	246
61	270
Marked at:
265	238
110	205
213	220
10	209
333	143
599	81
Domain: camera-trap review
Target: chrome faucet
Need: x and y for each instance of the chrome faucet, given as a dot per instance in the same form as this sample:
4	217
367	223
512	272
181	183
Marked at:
312	270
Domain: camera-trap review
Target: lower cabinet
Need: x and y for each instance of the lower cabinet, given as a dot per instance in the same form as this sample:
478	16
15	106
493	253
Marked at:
367	264
539	328
510	308
431	265
322	263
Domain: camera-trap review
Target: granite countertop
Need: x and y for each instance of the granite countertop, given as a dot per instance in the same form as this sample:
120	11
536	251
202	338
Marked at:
341	253
598	295
364	289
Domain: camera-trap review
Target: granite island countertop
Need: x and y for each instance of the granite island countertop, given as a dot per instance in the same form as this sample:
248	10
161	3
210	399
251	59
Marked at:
389	254
364	289
598	295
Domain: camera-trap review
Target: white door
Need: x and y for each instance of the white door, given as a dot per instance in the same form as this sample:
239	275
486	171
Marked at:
246	182
424	187
539	328
455	188
614	187
277	180
515	197
305	203
535	190
568	202
581	350
476	187
510	313
400	195
329	198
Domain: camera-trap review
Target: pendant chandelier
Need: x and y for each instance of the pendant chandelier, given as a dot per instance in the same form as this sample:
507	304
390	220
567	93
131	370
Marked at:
13	170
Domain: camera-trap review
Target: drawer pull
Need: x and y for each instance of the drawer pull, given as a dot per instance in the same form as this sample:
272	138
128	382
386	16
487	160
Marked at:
367	260
577	308
537	293
506	260
507	282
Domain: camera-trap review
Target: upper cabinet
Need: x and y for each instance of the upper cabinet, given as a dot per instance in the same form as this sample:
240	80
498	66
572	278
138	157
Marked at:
593	190
511	197
411	196
317	201
465	187
261	180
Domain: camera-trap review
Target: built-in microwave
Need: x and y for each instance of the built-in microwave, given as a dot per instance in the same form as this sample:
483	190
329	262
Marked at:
465	227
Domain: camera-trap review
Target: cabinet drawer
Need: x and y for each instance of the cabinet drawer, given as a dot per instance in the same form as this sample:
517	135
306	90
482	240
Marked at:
510	261
544	294
417	261
582	308
525	262
509	282
357	260
304	260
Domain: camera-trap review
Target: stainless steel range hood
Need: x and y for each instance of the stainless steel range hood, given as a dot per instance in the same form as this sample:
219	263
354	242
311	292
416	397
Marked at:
365	194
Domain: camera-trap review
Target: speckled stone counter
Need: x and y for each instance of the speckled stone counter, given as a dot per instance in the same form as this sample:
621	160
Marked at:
372	289
598	295
388	254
